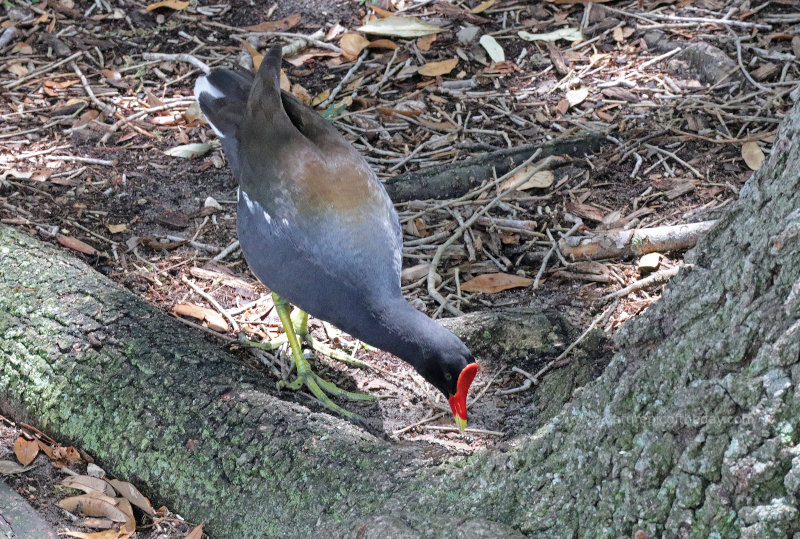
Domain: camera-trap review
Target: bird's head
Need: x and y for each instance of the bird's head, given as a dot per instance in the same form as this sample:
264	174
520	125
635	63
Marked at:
452	371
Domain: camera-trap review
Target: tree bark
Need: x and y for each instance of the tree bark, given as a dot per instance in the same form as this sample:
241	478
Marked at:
692	429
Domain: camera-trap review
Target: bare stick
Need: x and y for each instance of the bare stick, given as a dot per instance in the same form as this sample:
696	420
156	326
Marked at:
650	281
657	59
103	106
619	243
676	158
552	250
741	65
471	431
344	80
188	58
114	128
213	302
227	250
51	67
87	160
418	423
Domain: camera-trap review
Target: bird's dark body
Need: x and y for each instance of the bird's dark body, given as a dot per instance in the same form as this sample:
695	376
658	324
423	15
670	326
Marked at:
314	222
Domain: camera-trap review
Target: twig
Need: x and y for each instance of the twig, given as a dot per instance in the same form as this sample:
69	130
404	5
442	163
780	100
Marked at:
620	242
309	39
51	67
108	109
182	57
526	384
115	127
227	250
344	80
418	423
707	20
676	158
741	65
87	160
191	324
657	59
471	431
213	302
552	250
655	279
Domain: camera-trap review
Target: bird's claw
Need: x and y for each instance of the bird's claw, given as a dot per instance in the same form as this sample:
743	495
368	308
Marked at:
321	388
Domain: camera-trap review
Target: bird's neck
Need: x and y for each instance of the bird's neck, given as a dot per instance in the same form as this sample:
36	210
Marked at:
402	330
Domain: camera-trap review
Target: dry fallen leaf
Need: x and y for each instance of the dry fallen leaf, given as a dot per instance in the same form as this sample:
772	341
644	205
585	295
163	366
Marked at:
105	534
132	494
540	180
752	155
320	97
25	450
88	484
21	48
117	229
285	84
493	48
276	26
491	283
352	44
399	27
424	43
382	44
214	320
379	11
196	533
299	91
575	97
190	309
177	5
649	262
256	56
78	245
433	69
483	6
18	69
188	151
94	505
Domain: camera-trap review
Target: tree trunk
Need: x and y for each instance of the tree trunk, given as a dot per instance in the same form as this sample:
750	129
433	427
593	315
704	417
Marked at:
691	430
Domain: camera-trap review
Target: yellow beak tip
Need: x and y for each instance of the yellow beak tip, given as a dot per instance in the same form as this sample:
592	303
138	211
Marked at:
460	423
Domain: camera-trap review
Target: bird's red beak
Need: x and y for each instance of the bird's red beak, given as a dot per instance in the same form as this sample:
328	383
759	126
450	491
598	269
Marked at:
458	402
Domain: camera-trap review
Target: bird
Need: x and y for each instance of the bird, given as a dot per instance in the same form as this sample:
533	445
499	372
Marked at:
317	227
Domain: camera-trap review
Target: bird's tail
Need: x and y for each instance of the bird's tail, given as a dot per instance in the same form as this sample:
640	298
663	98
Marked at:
225	95
222	96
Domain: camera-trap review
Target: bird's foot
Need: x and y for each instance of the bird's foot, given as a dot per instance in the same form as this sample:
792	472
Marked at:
305	337
319	387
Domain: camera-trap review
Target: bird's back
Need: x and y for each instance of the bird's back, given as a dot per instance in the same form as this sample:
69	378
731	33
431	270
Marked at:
315	224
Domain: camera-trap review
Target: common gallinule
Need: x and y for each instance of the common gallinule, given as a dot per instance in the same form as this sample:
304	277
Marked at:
317	227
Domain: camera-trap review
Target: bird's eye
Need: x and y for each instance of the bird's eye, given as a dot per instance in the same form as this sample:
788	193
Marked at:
448	377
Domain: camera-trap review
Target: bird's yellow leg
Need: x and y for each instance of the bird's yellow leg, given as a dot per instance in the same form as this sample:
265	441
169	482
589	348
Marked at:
299	319
305	376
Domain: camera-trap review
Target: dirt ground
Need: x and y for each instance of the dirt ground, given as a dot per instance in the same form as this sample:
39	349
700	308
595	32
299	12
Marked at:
83	162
